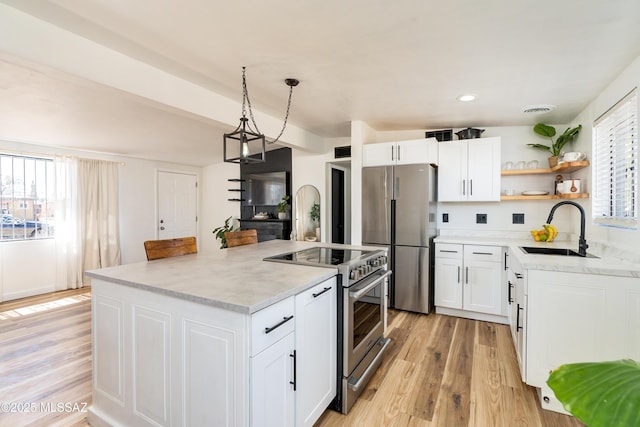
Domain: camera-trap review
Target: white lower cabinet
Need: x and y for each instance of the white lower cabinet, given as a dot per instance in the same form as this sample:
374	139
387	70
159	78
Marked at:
293	378
164	361
316	342
470	278
575	317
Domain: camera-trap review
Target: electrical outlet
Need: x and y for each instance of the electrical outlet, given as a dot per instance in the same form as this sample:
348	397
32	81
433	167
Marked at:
517	218
445	217
481	218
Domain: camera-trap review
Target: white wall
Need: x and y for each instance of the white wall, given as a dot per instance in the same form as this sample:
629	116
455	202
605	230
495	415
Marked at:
215	207
27	267
626	240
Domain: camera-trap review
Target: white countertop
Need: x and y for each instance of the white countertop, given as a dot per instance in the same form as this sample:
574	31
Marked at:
605	264
235	279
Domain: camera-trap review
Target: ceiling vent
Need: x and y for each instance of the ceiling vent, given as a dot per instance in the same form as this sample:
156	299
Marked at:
538	109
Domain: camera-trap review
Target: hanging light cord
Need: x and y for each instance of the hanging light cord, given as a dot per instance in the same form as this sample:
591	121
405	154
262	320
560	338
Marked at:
245	96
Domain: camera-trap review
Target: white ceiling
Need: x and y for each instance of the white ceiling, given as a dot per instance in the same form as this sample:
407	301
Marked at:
395	65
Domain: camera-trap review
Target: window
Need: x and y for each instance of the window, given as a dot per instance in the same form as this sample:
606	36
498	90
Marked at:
615	171
26	197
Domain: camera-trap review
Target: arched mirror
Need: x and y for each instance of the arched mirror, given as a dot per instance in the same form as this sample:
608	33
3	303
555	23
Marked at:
308	213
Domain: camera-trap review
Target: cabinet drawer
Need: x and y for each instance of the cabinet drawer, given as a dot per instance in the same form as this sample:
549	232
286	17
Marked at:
271	324
482	253
448	250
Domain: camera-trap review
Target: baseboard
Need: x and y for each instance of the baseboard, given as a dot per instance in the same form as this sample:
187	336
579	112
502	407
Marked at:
473	315
27	293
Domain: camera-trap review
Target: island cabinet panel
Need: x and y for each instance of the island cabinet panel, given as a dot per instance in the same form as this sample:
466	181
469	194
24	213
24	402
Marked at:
108	373
151	358
189	367
575	317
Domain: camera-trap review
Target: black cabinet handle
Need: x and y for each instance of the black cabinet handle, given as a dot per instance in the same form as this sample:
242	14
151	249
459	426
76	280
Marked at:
274	327
510	298
458	274
293	383
451	252
518	275
466	274
321	292
518	327
482	253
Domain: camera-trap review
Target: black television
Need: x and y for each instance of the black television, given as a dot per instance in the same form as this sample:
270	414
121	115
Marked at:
265	189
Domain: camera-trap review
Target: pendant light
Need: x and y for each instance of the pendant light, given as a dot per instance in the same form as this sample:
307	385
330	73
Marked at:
246	144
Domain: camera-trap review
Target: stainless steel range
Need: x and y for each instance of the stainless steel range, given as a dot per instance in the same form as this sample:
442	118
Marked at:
363	276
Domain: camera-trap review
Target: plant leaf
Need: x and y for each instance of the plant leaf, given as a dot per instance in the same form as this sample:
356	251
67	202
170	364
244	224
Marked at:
540	146
603	394
544	130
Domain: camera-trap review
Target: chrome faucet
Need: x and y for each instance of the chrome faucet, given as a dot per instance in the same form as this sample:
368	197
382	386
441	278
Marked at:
582	243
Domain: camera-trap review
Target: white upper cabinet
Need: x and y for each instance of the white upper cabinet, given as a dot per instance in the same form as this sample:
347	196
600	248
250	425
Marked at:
409	152
469	170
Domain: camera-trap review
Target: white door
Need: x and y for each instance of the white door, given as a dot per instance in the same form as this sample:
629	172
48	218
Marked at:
316	342
452	171
483	286
272	393
380	154
177	205
448	277
484	170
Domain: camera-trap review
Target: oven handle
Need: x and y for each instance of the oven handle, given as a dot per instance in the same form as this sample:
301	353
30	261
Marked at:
357	295
364	378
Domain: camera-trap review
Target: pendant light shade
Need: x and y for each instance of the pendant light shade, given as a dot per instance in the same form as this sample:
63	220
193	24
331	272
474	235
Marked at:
246	144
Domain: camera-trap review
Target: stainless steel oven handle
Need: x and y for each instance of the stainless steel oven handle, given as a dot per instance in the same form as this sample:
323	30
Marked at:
364	378
357	295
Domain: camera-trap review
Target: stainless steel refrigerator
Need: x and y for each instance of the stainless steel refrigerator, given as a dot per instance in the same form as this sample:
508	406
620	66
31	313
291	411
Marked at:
399	211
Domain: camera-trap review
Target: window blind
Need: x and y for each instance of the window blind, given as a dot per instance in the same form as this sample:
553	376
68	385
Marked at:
615	165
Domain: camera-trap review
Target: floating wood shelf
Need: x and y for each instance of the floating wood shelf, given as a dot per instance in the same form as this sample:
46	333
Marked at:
547	197
567	167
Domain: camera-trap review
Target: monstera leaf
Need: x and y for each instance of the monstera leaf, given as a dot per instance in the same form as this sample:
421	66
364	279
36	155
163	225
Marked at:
604	394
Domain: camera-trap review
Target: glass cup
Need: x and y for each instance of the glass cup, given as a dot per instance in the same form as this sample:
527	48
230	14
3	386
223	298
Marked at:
533	164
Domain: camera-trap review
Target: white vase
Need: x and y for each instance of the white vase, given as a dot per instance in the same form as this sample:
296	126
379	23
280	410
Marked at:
282	215
318	233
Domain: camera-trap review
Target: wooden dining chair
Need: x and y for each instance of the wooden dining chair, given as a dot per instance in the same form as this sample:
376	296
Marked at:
166	248
240	238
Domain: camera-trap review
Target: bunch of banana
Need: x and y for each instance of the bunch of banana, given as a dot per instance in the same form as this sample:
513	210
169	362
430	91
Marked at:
545	234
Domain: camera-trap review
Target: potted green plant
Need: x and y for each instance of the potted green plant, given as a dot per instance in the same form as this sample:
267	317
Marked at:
556	146
315	217
282	207
315	213
600	394
219	231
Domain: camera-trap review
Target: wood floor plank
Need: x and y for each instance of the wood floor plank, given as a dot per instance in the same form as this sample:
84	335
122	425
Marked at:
425	394
486	390
453	405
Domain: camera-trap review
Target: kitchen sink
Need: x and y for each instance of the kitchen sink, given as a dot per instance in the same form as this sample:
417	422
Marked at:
552	251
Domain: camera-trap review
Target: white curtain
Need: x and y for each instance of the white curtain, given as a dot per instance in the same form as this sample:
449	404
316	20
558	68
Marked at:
87	235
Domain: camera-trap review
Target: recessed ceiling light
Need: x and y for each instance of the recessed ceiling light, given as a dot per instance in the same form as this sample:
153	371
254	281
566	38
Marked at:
538	109
466	98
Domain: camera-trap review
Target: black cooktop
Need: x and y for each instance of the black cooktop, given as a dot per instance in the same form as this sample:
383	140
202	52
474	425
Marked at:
320	255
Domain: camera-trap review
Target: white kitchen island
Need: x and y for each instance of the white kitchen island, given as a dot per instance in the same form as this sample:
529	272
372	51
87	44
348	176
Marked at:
182	341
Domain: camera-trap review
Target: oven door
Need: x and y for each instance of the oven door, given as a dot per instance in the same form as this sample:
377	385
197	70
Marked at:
364	306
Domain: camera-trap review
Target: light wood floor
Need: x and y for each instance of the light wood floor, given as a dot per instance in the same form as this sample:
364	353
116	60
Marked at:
45	360
439	371
447	372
